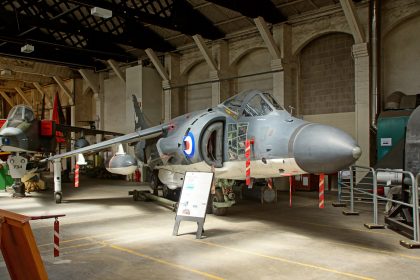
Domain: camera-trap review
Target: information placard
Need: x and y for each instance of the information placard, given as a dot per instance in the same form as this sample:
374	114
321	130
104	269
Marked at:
195	194
193	202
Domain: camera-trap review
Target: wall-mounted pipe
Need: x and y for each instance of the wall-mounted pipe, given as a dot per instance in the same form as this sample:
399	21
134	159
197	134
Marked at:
375	54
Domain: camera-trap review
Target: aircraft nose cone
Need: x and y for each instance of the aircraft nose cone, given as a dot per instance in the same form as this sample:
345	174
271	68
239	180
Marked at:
10	131
324	149
357	152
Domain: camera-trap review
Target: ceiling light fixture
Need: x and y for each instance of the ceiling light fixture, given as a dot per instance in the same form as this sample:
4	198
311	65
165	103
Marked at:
101	12
27	48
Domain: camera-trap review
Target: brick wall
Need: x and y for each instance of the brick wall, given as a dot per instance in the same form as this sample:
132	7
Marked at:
327	75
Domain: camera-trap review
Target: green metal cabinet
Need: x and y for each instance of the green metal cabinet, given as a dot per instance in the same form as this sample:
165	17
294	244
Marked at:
391	129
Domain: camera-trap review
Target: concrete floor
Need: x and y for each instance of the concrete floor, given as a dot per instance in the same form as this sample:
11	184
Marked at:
107	235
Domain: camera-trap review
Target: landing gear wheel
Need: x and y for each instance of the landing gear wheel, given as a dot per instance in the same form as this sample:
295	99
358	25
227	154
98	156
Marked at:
58	196
154	182
19	189
170	194
166	192
218	197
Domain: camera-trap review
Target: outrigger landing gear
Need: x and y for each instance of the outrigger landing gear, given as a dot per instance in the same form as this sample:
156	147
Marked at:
58	197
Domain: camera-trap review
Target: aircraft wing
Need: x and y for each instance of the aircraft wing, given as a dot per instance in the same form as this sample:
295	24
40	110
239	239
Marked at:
148	133
86	131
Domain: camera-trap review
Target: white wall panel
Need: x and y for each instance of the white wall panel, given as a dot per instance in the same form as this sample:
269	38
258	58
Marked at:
114	107
344	121
255	62
401	58
198	96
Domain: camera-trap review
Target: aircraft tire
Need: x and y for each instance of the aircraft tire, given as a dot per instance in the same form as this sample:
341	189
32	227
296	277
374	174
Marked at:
154	182
166	192
218	197
58	198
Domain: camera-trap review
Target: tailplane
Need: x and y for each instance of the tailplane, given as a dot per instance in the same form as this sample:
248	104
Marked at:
139	120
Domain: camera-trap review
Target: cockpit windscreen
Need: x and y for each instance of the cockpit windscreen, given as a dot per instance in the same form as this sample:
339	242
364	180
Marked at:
18	115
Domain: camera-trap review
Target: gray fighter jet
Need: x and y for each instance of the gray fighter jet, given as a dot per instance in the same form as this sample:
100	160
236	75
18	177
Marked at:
215	140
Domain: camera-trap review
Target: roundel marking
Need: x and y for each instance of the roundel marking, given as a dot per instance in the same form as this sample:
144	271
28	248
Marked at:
189	145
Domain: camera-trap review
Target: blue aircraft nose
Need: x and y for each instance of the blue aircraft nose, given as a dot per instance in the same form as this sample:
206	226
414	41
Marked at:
320	148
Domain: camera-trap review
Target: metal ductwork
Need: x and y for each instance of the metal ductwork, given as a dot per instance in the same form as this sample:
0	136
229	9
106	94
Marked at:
394	100
375	49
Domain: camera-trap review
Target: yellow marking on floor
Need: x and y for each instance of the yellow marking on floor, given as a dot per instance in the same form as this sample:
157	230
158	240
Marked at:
77	246
205	274
76	239
284	260
87	237
342	228
376	250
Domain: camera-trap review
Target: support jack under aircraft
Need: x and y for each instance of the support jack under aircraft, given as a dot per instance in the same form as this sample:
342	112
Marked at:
214	140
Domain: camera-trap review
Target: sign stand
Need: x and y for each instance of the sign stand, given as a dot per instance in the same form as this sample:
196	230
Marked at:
193	202
200	225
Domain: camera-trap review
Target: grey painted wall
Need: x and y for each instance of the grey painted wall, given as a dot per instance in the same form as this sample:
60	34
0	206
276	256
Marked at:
401	58
327	75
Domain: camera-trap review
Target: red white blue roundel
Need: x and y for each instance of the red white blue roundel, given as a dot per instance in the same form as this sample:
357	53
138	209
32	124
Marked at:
189	145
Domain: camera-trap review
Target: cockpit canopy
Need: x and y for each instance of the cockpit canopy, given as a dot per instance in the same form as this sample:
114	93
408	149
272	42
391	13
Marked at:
19	115
252	103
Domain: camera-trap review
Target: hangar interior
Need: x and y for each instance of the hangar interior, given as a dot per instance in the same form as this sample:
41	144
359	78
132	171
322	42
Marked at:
339	63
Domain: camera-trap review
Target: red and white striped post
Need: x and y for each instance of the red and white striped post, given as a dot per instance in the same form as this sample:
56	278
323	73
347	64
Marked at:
321	191
76	176
56	237
290	190
270	183
248	163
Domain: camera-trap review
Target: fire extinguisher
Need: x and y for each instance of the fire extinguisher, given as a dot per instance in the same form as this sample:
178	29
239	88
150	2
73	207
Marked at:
137	175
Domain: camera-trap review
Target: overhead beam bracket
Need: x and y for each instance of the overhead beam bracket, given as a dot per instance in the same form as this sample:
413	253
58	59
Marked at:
116	69
91	79
268	38
41	91
205	52
353	21
159	67
7	98
66	90
22	94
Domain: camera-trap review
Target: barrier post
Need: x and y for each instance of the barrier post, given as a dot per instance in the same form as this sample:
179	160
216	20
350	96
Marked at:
76	176
248	163
321	191
375	224
56	237
339	192
339	187
415	198
290	190
351	189
351	212
56	230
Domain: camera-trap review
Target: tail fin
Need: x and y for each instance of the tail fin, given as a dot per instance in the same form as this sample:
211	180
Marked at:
139	120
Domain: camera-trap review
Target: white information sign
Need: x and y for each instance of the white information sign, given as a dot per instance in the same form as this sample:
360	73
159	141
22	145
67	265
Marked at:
195	194
386	142
17	166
